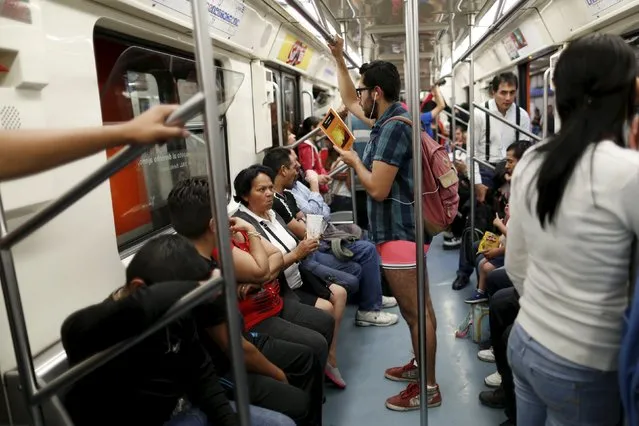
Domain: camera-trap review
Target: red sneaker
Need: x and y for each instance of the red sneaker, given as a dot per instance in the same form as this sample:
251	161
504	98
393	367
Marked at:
409	399
406	373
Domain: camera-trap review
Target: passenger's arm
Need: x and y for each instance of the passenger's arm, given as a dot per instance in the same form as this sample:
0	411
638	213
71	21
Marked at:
524	123
275	259
250	267
305	156
478	136
298	228
516	248
100	326
345	83
255	361
24	152
311	201
439	99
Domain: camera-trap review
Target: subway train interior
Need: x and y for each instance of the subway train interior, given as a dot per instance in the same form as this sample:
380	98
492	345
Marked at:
82	63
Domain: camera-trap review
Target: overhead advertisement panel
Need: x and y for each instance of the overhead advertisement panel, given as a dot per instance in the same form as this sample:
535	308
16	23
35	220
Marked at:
295	53
224	15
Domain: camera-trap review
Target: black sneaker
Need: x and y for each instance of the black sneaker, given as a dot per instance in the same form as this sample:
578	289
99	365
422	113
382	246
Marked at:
493	398
460	282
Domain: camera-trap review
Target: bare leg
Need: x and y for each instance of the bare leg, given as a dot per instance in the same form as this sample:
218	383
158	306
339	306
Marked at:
403	284
485	267
335	307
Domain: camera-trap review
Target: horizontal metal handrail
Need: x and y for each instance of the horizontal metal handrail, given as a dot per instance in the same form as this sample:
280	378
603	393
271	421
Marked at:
477	160
185	112
305	137
506	122
338	170
457	119
209	290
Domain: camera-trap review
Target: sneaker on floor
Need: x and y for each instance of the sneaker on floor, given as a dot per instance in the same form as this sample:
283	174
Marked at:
388	302
486	355
406	373
477	297
493	398
334	376
408	399
494	380
375	318
452	244
448	235
460	282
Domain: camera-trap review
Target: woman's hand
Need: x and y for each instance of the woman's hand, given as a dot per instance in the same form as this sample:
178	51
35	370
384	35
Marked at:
306	247
243	290
237	224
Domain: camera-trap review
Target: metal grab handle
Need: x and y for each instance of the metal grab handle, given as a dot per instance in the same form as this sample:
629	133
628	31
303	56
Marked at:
188	110
338	170
508	123
210	290
544	117
310	95
280	117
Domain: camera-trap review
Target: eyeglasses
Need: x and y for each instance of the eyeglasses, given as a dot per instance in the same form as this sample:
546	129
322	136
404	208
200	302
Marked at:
361	89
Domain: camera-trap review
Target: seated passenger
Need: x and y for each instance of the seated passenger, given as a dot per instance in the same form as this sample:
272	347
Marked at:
254	190
490	260
364	264
143	385
309	153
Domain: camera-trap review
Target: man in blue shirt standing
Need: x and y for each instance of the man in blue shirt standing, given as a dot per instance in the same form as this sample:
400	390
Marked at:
386	172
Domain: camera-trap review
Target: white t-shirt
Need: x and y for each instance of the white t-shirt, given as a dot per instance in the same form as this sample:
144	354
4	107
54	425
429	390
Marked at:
573	275
292	273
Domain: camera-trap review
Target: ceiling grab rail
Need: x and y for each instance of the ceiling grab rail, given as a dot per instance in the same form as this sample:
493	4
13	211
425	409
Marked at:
280	115
216	167
299	8
491	30
8	279
411	19
506	122
544	108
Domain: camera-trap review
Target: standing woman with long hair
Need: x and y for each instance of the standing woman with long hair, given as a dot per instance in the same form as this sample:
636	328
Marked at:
574	217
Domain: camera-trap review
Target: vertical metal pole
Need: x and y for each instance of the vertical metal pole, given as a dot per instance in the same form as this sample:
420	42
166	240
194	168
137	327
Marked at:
544	117
451	30
471	127
18	326
217	178
352	174
412	88
280	116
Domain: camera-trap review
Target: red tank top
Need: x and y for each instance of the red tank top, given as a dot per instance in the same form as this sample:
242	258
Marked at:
261	305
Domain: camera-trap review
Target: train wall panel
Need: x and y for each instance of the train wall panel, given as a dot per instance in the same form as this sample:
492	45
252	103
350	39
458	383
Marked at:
73	261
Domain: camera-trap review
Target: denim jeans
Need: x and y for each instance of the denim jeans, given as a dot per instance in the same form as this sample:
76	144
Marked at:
553	391
259	417
364	265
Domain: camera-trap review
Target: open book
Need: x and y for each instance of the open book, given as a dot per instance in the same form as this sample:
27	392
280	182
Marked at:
336	130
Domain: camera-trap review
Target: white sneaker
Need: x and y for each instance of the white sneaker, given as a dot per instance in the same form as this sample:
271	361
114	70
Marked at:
388	302
486	355
375	318
494	380
448	235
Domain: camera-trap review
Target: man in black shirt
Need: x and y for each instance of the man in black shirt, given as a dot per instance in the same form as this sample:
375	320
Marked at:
143	385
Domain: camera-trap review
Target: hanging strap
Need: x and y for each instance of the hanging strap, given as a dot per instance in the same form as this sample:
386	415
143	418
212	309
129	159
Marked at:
265	226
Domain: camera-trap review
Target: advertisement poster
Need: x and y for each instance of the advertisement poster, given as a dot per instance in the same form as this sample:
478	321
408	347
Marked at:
598	6
519	39
295	53
511	48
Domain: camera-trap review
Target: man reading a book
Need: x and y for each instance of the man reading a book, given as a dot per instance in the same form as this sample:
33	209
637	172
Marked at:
386	172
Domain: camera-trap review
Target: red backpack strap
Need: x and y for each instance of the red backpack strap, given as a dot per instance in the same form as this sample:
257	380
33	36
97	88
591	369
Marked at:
399	118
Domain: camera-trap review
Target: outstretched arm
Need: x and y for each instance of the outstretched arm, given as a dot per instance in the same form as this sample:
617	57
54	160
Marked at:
24	152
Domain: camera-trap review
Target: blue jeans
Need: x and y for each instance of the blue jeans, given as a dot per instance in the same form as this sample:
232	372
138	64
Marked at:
553	391
364	265
259	417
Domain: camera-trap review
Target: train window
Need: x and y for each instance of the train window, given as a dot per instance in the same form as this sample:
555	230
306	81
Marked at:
133	79
291	99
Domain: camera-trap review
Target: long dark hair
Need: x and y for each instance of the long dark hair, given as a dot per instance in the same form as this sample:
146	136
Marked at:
595	93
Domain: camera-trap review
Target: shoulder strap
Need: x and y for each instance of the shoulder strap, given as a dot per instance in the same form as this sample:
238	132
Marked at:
487	134
399	118
517	120
250	219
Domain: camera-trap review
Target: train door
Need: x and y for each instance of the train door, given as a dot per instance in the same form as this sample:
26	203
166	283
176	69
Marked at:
289	96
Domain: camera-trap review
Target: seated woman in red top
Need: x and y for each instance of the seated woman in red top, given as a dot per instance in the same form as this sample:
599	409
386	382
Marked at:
308	153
